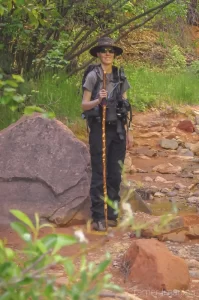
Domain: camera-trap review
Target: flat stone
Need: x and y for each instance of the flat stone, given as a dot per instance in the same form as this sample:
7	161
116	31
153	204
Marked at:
167	168
185	152
148	179
160	179
169	144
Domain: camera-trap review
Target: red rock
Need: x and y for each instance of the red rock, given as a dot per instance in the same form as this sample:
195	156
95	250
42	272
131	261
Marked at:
149	262
186	125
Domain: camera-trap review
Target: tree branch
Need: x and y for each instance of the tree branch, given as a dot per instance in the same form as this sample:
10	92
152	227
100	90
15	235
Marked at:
86	35
132	28
159	7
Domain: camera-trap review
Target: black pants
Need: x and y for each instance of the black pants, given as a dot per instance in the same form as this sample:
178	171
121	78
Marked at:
115	153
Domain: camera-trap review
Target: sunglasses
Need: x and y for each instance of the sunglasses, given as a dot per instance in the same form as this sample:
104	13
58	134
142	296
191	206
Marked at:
107	50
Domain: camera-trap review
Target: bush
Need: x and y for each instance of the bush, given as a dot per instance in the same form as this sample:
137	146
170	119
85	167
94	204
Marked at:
25	274
194	68
176	60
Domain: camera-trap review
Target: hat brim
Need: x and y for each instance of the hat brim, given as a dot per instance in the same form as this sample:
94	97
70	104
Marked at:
93	51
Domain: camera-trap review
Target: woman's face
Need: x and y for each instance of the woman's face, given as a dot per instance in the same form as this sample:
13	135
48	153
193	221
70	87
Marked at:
106	55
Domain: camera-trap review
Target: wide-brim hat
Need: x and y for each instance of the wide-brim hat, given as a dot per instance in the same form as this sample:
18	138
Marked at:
105	42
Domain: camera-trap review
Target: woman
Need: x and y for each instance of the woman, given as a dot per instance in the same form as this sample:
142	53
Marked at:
117	138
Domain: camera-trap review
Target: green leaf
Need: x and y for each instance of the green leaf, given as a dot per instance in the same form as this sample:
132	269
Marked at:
69	267
20	228
2	10
41	246
64	240
49	240
29	110
22	217
11	83
9	90
9	253
100	268
13	107
18	78
48	290
18	98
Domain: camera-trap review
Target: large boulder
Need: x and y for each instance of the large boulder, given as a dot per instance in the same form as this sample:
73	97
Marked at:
150	263
44	168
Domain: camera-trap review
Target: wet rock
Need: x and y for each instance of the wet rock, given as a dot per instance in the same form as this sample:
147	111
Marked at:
169	144
196	194
165	190
186	174
167	168
185	152
186	125
44	168
180	186
165	271
193	199
194	274
192	263
146	151
173	200
135	199
145	193
172	193
154	189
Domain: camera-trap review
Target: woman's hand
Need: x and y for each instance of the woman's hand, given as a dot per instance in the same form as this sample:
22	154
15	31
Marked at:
102	94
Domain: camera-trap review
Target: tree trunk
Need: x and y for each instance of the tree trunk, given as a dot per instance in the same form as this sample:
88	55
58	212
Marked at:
193	13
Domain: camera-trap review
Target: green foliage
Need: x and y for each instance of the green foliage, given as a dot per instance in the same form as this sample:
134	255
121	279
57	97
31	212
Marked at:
27	274
55	33
176	60
194	67
9	91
